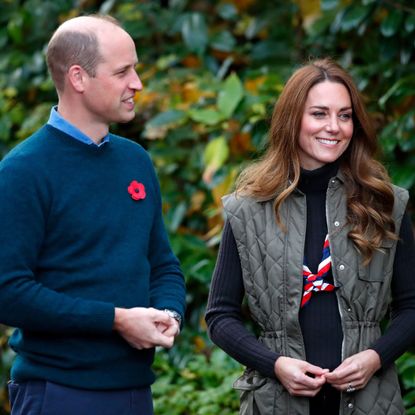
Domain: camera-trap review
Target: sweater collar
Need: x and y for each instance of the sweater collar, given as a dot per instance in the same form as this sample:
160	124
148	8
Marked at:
318	179
57	121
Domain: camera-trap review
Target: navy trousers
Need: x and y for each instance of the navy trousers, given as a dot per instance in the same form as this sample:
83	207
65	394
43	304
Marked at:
46	398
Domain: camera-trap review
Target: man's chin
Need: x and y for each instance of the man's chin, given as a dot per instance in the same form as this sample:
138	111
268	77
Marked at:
126	118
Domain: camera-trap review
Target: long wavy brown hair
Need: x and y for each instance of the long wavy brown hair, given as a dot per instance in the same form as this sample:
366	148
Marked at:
276	174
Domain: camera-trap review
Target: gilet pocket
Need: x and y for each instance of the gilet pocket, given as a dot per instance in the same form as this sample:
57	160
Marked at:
375	271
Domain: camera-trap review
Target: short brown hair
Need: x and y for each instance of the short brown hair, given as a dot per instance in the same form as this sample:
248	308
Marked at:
74	47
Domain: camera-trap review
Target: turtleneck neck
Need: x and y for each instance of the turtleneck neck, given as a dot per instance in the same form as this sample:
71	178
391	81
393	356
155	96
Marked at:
317	180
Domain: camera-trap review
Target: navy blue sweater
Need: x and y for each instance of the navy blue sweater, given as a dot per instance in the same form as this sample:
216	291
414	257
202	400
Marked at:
74	245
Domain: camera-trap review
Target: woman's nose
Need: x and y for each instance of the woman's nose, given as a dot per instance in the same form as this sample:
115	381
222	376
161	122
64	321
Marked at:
333	124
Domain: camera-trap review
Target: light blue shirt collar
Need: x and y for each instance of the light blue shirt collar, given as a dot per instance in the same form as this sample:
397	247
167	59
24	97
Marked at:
57	121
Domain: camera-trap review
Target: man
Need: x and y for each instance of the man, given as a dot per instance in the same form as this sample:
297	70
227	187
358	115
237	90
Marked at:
86	271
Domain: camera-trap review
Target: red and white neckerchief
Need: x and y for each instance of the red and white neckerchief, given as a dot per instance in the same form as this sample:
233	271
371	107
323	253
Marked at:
315	282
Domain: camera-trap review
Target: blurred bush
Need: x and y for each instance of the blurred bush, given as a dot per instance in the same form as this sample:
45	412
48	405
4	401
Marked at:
212	71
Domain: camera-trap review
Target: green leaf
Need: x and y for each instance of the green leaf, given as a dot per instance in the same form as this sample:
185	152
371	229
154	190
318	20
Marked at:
15	28
408	376
206	116
227	11
392	23
388	138
406	54
106	6
405	361
166	118
194	32
328	4
410	23
403	87
34	120
353	17
223	70
158	126
269	49
404	176
166	61
223	41
5	127
319	26
3	37
175	216
231	95
216	153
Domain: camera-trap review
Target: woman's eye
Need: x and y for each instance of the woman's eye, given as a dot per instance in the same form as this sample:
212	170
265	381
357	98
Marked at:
318	114
345	116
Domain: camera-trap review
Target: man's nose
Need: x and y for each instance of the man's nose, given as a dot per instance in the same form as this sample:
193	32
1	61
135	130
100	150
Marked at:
136	83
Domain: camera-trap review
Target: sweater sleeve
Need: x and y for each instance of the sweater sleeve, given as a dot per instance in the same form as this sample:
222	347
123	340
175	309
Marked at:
167	288
400	334
224	315
24	302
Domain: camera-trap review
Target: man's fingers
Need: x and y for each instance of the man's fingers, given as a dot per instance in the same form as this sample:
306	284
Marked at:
144	328
161	340
172	330
160	316
164	341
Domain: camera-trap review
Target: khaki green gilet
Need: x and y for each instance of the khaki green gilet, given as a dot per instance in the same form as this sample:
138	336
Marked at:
272	261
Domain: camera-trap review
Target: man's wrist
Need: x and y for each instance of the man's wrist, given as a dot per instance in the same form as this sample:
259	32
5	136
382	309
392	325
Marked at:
174	314
118	317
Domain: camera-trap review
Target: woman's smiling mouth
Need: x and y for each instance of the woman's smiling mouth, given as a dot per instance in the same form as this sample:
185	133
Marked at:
328	141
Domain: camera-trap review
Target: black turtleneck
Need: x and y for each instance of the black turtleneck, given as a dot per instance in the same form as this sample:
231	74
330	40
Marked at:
319	319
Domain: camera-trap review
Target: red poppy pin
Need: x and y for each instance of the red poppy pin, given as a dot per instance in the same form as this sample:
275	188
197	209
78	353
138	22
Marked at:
136	190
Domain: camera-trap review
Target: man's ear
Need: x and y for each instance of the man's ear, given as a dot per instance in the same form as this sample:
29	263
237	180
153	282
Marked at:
77	78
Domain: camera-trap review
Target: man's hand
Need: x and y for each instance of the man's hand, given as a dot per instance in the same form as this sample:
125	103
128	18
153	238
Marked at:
171	329
144	328
299	377
355	371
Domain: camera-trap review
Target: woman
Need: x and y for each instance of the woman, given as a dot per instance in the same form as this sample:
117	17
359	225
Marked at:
318	241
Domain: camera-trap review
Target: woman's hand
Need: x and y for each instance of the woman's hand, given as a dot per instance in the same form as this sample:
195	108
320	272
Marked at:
355	371
299	377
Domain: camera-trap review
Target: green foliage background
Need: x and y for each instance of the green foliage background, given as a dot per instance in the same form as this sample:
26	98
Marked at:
212	71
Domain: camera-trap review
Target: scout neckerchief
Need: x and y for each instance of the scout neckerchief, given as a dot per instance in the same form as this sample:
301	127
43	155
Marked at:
315	282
